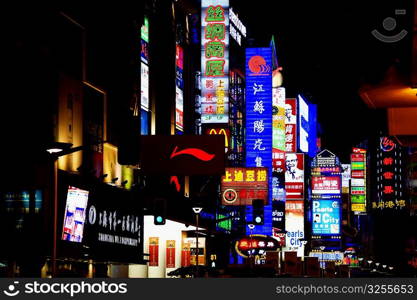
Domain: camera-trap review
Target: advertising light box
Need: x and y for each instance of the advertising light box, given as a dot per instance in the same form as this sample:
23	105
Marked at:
239	186
294	225
258	107
294	175
215	61
326	185
326	217
75	211
357	182
291	125
303	122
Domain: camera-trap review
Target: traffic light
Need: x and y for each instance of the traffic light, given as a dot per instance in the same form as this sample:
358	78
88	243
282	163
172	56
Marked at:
258	211
159	211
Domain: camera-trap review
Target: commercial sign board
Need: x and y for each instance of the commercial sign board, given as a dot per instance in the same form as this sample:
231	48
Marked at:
389	176
294	175
326	185
326	217
303	123
182	154
325	159
294	225
75	212
258	107
239	186
222	131
237	29
255	244
291	125
358	181
278	119
215	61
179	87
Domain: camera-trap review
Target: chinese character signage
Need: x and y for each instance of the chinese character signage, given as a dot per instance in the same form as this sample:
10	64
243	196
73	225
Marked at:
326	217
358	181
153	251
239	186
258	107
179	82
389	176
215	61
294	175
291	125
255	244
326	185
170	253
345	177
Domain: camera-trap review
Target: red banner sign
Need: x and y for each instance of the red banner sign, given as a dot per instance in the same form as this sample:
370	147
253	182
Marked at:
153	251
185	255
170	257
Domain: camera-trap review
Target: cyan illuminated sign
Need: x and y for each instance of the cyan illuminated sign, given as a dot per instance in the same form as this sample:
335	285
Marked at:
326	217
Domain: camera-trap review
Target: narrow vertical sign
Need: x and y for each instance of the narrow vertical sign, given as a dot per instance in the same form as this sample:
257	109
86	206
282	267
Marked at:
170	255
153	251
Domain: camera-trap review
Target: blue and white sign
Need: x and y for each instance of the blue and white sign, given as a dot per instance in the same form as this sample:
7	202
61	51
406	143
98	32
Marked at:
326	217
259	107
259	121
307	127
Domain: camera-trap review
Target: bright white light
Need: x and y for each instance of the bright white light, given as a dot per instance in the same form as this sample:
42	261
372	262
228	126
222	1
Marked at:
54	150
197	210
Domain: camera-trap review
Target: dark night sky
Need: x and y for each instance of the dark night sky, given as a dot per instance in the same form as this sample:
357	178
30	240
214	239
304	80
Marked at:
327	50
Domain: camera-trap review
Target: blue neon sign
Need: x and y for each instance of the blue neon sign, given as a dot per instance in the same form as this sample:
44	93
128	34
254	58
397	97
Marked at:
259	121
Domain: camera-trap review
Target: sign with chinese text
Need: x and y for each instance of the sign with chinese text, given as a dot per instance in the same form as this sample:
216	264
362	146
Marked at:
278	119
326	217
179	82
170	253
294	225
325	185
239	186
291	125
255	244
294	175
278	220
358	181
215	61
153	251
345	177
185	255
389	176
258	107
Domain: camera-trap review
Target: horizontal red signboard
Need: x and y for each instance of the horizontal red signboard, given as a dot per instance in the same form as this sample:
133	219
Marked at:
358	174
239	186
182	154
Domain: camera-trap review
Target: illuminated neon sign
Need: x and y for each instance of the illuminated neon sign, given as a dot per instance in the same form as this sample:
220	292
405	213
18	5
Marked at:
215	61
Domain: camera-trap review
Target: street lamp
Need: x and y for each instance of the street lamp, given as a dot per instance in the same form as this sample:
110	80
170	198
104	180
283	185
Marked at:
251	227
197	210
322	258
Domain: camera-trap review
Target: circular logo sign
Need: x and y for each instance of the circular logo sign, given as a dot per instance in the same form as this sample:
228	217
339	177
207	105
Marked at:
387	144
230	196
92	215
257	65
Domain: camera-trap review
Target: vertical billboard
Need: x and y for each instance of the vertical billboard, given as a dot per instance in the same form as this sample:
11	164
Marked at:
389	176
259	120
358	182
179	88
258	107
143	111
303	123
294	176
326	216
345	178
215	61
291	125
75	212
294	225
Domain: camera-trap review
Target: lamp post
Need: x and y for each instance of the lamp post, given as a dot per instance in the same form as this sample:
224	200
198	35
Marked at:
197	210
322	256
251	227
